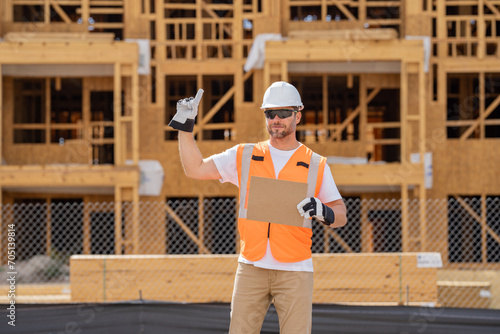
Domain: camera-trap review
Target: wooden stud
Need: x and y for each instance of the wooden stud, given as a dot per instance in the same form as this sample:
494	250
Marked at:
405	223
117	114
326	106
484	231
58	83
48	109
46	12
201	221
1	196
422	147
1	139
86	118
404	113
284	71
481	30
482	104
135	220
363	115
87	239
118	220
135	114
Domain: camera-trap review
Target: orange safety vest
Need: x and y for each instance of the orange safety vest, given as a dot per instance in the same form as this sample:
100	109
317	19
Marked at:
288	243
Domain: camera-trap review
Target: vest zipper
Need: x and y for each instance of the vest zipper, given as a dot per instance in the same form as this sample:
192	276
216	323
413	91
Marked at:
268	229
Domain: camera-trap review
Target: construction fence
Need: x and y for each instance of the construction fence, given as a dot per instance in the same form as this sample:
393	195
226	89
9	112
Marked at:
71	248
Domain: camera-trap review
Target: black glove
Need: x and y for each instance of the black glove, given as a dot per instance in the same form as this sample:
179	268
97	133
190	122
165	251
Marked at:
187	109
313	208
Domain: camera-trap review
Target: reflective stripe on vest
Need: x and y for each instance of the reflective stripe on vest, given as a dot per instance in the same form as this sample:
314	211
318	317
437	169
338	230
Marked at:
312	176
245	172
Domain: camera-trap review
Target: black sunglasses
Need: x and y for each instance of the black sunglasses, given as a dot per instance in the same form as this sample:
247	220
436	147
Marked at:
282	113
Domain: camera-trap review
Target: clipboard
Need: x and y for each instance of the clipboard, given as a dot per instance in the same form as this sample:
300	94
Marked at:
275	201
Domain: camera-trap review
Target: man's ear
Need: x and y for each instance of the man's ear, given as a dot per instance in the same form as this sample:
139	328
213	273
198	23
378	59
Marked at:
298	117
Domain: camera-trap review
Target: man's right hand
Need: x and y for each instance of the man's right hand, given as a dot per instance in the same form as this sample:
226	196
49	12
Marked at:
187	109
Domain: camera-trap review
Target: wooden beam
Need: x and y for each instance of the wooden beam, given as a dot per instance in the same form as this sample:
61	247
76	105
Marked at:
294	50
68	53
48	231
214	15
186	229
476	217
68	176
338	130
1	209
482	117
60	11
1	130
403	114
484	230
492	7
135	114
201	221
117	114
422	146
135	220
405	221
48	109
358	278
338	238
208	116
87	240
344	10
118	220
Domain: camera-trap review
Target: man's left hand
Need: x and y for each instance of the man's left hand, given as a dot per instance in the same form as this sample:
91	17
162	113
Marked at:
313	208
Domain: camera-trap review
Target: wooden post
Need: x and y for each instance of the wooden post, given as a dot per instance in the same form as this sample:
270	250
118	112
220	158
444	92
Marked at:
481	30
1	133
48	232
422	141
1	197
135	220
361	10
326	106
1	144
363	116
199	30
117	108
267	74
48	107
482	104
484	230
46	12
86	227
85	12
404	112
284	71
405	228
86	117
442	30
237	30
366	230
201	222
118	220
160	32
135	114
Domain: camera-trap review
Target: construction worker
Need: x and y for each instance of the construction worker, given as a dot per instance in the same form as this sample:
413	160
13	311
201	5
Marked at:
275	263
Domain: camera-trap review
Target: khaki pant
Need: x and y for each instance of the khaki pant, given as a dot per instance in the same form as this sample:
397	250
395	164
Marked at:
254	290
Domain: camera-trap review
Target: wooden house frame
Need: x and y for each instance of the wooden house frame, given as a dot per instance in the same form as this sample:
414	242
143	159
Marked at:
428	53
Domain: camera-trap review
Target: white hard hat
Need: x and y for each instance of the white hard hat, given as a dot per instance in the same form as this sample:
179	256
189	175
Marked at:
281	94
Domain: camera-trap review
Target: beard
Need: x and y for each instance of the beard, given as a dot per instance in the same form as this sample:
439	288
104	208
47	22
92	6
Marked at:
281	132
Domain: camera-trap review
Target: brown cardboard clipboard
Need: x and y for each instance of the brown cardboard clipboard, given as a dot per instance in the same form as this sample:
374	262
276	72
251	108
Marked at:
275	201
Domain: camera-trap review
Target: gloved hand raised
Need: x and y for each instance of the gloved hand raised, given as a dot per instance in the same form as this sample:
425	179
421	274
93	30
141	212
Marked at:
187	109
313	208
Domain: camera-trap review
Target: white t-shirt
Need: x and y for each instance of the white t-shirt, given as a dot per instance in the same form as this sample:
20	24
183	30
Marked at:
226	165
